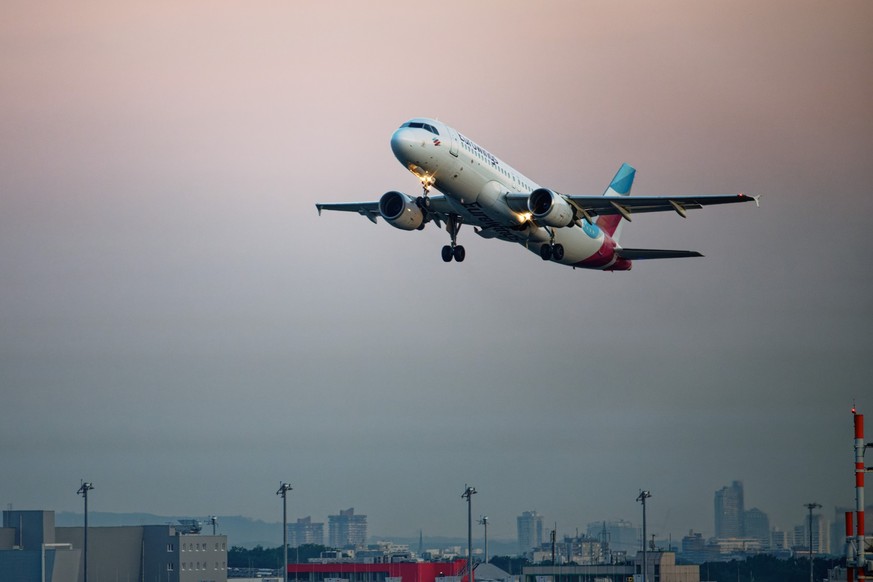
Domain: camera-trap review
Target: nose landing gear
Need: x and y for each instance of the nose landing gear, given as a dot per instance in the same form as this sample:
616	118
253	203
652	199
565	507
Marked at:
427	180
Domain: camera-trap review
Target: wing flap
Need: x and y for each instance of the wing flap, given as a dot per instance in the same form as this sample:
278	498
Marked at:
605	205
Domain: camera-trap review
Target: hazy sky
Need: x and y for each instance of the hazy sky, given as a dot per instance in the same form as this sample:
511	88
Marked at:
178	326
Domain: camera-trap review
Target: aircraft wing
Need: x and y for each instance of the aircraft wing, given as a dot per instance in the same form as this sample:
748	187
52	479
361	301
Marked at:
642	254
439	208
627	205
368	209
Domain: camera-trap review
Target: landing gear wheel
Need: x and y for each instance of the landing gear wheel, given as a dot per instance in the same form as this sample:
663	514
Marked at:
425	202
546	252
447	254
453	251
558	252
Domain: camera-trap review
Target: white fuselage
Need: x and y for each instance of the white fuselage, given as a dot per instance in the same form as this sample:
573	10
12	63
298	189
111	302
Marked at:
475	183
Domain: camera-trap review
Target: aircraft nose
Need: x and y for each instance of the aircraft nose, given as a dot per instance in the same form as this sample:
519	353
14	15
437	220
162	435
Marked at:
402	143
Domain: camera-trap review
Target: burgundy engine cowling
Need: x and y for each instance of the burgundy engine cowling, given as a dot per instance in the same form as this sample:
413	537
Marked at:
400	211
549	208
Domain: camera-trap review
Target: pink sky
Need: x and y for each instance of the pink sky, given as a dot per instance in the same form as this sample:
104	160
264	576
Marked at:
170	296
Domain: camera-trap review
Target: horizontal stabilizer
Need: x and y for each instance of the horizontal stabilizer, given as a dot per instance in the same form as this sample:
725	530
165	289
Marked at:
642	254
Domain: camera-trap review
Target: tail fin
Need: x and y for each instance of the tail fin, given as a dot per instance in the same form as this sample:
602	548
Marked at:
620	186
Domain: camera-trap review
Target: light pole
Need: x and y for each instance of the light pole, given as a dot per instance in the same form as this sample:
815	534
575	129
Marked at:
484	522
810	507
284	488
468	493
642	499
83	491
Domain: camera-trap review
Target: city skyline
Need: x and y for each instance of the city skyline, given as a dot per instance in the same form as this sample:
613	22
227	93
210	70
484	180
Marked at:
537	529
180	328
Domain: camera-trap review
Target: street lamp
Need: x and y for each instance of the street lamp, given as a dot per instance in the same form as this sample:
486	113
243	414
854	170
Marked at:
84	488
468	493
483	521
284	488
642	499
810	507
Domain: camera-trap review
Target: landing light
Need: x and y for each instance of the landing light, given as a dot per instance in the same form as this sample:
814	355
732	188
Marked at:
524	217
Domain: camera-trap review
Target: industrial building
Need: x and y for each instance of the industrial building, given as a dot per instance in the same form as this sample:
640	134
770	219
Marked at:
352	571
33	548
29	549
662	567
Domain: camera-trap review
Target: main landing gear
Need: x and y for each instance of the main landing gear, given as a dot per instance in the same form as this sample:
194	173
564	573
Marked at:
453	251
552	250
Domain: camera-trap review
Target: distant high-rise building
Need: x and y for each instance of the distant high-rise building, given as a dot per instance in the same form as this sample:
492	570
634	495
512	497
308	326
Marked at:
821	538
530	531
779	539
821	542
838	526
620	535
694	548
347	529
757	526
305	532
729	511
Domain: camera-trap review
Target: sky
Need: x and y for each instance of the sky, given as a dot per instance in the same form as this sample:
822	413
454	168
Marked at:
179	327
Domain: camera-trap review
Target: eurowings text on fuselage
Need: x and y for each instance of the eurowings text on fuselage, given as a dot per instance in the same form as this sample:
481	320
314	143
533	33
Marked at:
481	190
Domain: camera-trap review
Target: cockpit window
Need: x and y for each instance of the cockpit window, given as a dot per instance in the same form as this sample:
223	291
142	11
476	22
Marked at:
420	125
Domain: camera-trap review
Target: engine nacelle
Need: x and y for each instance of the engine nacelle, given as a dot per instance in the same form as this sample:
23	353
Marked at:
400	211
550	209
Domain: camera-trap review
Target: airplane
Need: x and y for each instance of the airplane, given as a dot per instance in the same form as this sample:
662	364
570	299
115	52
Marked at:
499	202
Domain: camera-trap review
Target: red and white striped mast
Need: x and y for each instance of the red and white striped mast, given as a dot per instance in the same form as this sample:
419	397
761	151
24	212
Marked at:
860	560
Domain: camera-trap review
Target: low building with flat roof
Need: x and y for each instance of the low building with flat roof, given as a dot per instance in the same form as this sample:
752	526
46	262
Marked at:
662	567
347	571
32	547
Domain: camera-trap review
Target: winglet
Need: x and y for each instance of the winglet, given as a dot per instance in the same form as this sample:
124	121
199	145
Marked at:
757	198
318	206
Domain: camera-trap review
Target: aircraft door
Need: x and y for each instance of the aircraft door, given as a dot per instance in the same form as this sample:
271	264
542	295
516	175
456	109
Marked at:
453	148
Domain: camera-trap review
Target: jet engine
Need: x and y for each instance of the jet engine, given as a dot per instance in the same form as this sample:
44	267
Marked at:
400	211
549	208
